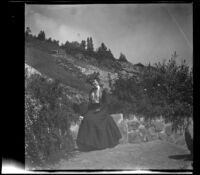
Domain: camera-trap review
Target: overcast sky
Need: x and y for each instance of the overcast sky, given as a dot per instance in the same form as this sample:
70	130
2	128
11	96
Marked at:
143	32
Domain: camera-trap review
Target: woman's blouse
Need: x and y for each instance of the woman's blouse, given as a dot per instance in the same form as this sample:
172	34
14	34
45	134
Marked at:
96	95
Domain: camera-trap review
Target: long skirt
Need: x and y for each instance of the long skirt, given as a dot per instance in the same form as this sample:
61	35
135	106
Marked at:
97	130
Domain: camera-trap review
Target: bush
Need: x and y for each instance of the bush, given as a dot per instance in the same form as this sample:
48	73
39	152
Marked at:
115	105
163	89
48	115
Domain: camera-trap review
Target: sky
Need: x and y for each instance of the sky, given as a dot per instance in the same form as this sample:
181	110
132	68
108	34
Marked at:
145	33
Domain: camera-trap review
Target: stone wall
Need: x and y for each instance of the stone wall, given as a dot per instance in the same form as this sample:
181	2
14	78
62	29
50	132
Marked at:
137	130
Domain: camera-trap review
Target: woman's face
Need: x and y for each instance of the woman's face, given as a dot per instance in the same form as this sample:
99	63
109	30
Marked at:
95	83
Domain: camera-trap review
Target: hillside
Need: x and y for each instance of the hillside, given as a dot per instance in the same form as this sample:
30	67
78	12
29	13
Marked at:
70	70
52	112
48	65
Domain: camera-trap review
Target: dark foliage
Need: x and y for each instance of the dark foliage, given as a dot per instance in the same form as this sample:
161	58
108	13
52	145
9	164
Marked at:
48	114
122	58
163	89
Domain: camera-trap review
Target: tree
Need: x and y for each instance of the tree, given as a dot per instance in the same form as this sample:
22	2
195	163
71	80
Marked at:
41	35
48	115
110	54
49	40
90	46
83	44
75	44
28	31
122	58
56	42
102	49
104	53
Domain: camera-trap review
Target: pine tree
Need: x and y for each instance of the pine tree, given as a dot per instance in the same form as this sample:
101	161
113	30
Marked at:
90	46
122	58
83	44
41	35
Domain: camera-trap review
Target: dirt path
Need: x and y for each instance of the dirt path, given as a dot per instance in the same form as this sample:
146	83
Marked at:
150	155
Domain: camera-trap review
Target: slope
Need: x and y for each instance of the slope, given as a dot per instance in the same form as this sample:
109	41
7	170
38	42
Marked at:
44	62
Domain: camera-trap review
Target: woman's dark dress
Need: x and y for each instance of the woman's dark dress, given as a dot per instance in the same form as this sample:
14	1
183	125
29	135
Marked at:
97	130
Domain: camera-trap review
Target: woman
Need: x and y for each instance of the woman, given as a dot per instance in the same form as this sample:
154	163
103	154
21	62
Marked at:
97	130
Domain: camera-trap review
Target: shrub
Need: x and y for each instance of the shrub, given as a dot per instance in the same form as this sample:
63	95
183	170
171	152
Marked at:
48	115
163	89
115	105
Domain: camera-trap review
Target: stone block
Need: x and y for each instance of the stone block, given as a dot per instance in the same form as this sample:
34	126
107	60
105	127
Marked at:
124	132
143	131
142	128
154	136
151	130
118	118
132	125
134	137
159	126
171	139
141	119
181	141
151	137
162	136
168	129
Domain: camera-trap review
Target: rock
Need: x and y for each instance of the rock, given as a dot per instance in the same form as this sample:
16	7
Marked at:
31	70
189	135
151	130
154	137
176	135
124	132
144	132
132	125
171	139
141	127
159	126
181	141
151	137
168	129
134	137
118	118
162	136
141	119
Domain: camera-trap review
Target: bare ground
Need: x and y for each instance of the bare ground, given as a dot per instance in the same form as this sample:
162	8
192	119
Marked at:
149	155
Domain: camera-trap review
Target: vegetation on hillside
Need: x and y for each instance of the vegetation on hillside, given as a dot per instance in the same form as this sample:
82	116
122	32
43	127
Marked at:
122	58
102	55
162	90
48	115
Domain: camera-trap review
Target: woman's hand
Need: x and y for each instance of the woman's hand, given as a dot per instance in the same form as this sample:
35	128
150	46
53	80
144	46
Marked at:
81	117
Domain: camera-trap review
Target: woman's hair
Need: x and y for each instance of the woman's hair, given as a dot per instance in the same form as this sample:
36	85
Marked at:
91	78
102	95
